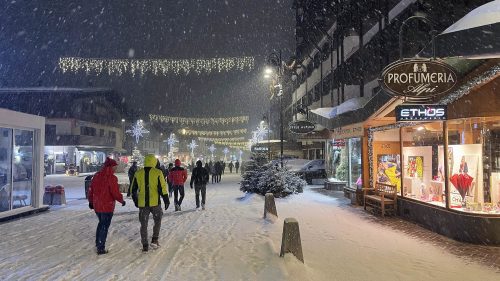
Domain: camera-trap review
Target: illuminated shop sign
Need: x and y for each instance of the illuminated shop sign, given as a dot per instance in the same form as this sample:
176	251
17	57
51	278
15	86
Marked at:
418	79
421	112
257	149
301	127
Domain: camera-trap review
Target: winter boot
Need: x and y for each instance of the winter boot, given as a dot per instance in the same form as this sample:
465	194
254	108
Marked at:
176	207
179	207
203	206
102	252
145	248
154	243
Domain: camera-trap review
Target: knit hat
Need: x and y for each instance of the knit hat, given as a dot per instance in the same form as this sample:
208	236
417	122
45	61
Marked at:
110	162
177	162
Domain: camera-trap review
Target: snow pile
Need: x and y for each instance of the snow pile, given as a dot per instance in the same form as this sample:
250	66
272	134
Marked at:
267	178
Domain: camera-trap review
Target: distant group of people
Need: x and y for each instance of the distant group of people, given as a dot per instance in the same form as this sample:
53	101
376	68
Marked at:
148	186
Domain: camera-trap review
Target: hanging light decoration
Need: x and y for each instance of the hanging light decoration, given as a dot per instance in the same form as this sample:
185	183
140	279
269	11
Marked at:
155	66
192	146
214	133
187	121
212	149
137	130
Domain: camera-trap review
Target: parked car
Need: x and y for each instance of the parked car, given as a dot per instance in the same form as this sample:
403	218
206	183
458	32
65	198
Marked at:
72	170
308	169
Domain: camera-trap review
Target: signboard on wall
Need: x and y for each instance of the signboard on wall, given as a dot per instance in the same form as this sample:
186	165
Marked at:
346	132
260	149
421	112
301	127
418	79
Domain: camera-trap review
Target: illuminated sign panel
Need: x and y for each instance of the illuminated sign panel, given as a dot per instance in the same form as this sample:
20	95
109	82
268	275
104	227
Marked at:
421	112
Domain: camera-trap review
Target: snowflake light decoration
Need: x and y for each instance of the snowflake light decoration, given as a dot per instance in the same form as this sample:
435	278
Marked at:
212	149
137	130
226	151
192	146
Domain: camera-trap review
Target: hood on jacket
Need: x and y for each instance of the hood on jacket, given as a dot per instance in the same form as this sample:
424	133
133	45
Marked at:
150	161
199	164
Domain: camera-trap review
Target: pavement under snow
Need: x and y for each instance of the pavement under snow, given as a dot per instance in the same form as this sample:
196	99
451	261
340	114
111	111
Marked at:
228	241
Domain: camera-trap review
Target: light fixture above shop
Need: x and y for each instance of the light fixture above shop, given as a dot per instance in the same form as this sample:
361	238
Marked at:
421	128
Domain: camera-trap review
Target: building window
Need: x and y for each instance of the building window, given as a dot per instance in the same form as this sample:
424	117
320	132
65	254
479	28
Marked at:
87	131
101	132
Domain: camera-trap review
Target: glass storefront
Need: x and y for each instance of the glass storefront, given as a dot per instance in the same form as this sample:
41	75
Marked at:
344	162
423	173
474	164
472	161
16	168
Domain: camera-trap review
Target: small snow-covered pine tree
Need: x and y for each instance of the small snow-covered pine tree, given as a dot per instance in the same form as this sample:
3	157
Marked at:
137	156
266	178
342	169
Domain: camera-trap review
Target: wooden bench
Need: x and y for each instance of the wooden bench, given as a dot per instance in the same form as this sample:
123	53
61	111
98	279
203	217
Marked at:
382	198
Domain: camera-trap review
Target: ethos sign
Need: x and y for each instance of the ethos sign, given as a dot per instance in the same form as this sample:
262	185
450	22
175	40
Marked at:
418	79
421	112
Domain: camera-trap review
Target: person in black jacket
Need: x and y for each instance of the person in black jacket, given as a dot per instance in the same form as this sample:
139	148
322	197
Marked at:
131	173
200	179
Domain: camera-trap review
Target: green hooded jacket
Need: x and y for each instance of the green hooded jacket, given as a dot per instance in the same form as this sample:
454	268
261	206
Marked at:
149	185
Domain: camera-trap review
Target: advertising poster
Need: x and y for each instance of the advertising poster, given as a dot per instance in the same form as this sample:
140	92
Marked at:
389	169
415	167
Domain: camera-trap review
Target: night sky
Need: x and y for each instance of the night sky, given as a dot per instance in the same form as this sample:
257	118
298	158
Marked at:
34	34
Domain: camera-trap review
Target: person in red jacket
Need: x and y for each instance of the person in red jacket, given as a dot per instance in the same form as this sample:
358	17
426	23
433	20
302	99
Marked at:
178	177
103	193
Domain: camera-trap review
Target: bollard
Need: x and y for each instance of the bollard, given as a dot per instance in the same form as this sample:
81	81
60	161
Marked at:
59	197
290	242
48	195
269	205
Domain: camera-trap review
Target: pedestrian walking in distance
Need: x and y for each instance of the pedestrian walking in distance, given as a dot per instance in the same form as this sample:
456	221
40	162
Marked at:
231	165
148	186
103	193
178	176
200	179
237	165
131	173
170	186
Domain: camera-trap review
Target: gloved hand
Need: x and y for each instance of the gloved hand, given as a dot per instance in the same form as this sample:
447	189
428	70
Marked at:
123	204
191	186
91	206
166	206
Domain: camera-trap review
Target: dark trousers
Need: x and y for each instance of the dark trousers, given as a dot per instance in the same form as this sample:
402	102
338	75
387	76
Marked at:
170	189
230	170
203	189
236	170
178	190
102	230
144	218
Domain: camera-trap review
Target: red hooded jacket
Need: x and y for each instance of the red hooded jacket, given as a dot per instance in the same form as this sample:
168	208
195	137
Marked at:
104	191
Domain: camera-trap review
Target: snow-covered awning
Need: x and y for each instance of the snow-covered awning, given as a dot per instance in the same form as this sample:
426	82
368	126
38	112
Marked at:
352	111
474	36
486	14
349	105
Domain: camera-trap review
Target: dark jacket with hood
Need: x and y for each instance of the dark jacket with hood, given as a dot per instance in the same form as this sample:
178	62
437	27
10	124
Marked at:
200	175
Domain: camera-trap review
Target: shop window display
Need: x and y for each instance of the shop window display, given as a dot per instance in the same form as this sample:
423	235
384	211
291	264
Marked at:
344	162
474	164
387	158
5	169
422	173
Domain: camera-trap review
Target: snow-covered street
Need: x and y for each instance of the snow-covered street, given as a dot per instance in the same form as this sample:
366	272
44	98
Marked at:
231	241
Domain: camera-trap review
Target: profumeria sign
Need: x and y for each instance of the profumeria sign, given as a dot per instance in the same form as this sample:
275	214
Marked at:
418	79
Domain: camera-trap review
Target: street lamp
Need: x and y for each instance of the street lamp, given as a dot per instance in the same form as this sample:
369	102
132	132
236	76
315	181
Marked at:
274	60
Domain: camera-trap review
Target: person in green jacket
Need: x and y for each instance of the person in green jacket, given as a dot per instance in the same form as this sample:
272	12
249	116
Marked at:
148	186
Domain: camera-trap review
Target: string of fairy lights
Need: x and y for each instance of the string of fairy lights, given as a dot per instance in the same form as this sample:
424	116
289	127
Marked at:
214	133
155	66
186	121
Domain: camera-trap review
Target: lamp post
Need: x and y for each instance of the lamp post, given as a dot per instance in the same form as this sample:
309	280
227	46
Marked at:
274	59
266	119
